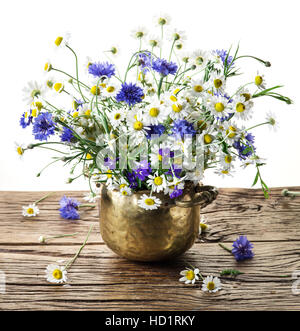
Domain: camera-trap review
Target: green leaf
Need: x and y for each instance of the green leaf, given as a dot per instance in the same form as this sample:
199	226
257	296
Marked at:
231	272
255	179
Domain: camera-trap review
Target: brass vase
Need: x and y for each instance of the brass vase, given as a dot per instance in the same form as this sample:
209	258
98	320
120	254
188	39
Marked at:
152	235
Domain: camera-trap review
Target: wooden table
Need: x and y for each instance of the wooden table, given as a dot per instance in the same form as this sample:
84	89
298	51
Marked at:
100	280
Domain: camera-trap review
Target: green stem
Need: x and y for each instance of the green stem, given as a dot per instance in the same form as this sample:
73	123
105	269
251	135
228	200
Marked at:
86	205
256	126
43	198
226	248
63	72
68	265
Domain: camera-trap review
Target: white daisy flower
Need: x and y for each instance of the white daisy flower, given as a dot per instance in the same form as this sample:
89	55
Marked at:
47	66
154	41
211	284
91	197
226	159
139	33
177	35
271	118
189	276
216	59
259	81
42	239
56	274
115	50
244	92
157	182
195	176
179	45
32	92
125	191
62	40
197	87
58	87
224	172
20	149
136	126
242	108
218	82
203	226
30	210
199	58
179	109
155	112
117	116
110	89
88	61
161	19
219	106
252	160
149	202
231	130
175	184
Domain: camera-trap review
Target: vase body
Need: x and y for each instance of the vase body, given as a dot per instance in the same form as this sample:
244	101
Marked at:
147	235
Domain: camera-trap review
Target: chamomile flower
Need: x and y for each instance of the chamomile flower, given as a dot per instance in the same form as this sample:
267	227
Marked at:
149	202
20	149
272	121
226	159
242	108
224	172
189	276
136	126
56	274
47	66
117	116
88	61
219	106
259	81
178	106
231	131
155	112
30	210
58	87
125	191
177	35
154	41
139	33
91	197
114	50
157	182
62	40
218	83
161	19
110	89
244	92
199	58
211	284
32	92
197	87
203	226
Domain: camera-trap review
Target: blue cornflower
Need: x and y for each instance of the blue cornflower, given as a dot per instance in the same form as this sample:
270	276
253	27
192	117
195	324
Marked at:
174	170
164	67
143	170
242	249
145	60
43	126
245	147
69	208
155	130
100	69
67	135
26	119
130	93
223	54
182	127
132	180
176	193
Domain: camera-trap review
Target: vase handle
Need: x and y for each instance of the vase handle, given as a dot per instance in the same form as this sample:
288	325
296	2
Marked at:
204	195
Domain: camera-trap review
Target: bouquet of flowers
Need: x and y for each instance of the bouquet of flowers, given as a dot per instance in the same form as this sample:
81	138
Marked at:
160	124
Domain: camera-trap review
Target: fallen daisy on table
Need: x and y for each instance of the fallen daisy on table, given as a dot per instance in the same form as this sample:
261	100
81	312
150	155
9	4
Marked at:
32	209
189	276
211	284
58	274
203	226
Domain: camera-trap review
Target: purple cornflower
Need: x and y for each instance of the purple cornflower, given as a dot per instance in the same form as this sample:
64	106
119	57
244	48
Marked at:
67	135
176	193
242	249
223	54
132	180
26	119
43	126
69	208
143	170
155	130
182	127
164	67
245	147
145	61
130	93
100	69
174	171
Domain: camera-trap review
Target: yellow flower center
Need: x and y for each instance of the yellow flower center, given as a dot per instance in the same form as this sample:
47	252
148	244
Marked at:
218	83
49	83
173	98
20	150
158	180
203	226
57	274
58	41
153	112
149	201
207	138
95	90
198	88
176	91
110	89
177	108
159	157
58	87
190	275
225	172
75	114
228	158
122	186
114	50
210	286
258	80
124	192
247	96
34	112
240	107
38	105
89	156
219	107
117	116
138	125
231	132
199	60
87	112
30	211
140	34
47	66
162	21
35	93
176	36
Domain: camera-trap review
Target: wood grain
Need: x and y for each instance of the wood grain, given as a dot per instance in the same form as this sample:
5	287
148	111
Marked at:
100	280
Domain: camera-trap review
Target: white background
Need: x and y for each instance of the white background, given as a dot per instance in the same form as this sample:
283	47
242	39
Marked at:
267	29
